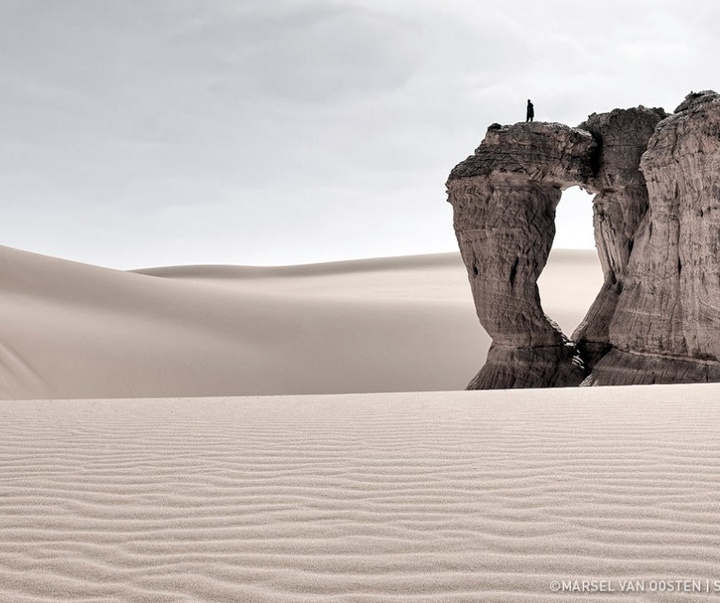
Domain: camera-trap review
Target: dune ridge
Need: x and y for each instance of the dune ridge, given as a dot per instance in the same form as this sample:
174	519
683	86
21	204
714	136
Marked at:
431	497
391	324
439	260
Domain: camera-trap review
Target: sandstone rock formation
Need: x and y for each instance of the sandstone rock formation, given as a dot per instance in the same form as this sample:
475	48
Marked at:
657	227
670	304
620	203
504	199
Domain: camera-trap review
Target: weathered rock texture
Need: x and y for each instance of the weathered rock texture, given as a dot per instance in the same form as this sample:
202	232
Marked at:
504	199
656	180
620	203
670	304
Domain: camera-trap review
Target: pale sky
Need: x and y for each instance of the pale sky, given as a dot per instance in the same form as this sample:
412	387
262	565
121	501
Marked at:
160	132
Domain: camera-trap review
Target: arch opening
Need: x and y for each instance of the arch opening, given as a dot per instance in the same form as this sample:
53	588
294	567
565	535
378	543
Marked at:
573	275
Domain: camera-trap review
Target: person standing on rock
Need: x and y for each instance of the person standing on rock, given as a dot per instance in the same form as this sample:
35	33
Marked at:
530	115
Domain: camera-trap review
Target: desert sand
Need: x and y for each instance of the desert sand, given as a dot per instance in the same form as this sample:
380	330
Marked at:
149	486
396	324
405	497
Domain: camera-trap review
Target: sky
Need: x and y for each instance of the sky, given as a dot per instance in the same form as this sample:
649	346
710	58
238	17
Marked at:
142	133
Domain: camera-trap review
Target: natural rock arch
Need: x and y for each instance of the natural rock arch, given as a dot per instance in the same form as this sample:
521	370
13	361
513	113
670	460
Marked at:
656	318
504	199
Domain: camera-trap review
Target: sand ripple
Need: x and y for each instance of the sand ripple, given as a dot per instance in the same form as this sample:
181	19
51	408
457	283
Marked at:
433	497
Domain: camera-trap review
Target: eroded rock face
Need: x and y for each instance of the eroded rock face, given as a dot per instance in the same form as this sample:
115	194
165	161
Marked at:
670	304
657	229
504	199
620	203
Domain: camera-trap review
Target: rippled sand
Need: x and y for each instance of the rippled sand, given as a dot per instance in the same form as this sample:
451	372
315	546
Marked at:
418	497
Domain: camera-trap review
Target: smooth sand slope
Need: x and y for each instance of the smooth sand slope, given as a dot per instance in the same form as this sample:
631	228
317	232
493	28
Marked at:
385	498
398	324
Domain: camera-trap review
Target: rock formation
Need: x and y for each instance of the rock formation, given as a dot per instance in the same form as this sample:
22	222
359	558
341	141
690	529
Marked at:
670	303
504	199
620	203
656	180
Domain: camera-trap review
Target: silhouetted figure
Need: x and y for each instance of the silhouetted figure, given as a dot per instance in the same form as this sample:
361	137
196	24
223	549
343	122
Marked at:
530	115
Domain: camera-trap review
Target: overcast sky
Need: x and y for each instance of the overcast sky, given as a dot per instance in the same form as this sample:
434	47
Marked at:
157	132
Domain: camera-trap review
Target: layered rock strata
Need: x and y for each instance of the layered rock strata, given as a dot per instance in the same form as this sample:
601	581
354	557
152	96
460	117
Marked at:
670	303
504	199
656	180
620	203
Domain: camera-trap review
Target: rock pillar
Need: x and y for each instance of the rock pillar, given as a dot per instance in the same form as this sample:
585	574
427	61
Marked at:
504	199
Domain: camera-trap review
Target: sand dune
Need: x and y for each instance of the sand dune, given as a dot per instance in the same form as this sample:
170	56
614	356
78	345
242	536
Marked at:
429	497
420	497
396	324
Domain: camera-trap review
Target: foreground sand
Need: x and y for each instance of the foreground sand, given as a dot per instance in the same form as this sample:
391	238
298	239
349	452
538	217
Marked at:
396	324
422	497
